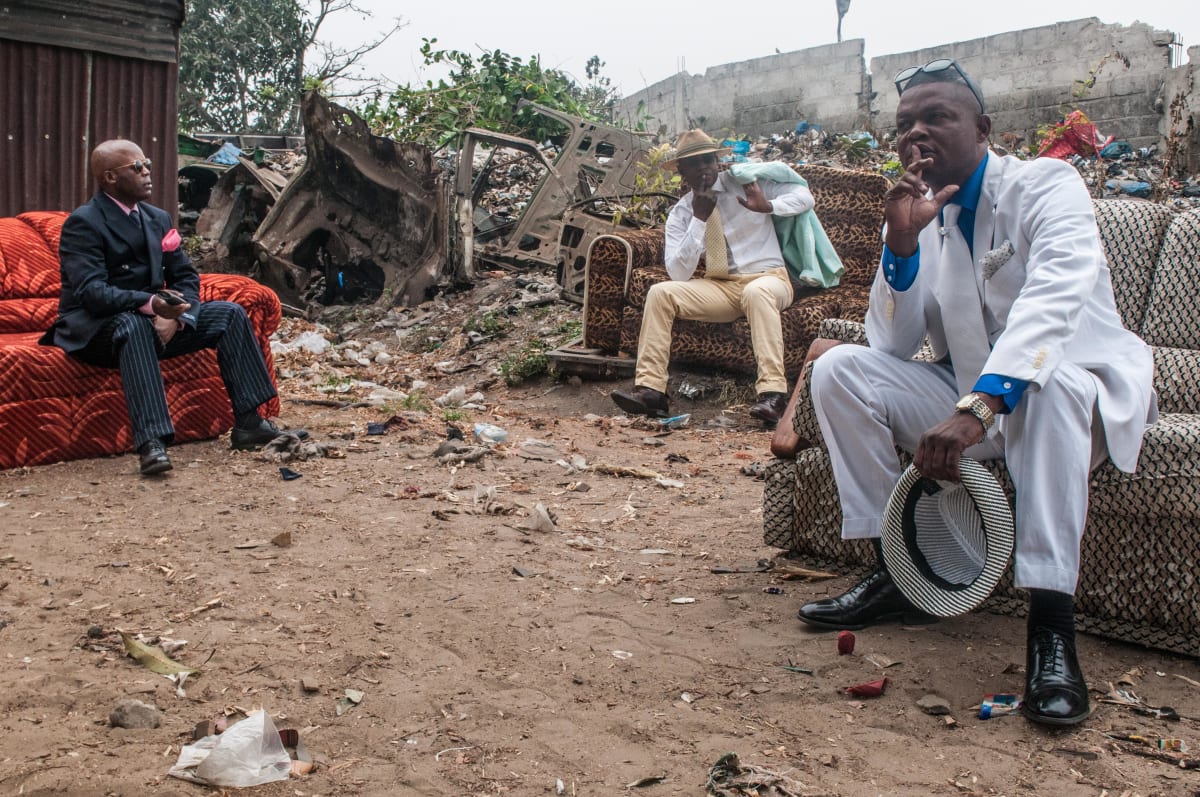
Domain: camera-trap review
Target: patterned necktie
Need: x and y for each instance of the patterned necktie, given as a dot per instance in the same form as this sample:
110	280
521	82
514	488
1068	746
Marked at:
962	310
716	256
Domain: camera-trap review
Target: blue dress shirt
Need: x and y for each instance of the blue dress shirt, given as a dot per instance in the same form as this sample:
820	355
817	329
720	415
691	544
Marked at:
901	272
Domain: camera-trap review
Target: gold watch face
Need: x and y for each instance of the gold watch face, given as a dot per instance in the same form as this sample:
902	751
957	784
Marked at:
965	402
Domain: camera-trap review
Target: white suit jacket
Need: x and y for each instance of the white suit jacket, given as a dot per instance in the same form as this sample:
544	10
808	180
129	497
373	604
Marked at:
1049	301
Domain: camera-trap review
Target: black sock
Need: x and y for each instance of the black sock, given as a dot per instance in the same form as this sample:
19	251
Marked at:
1053	610
247	420
877	544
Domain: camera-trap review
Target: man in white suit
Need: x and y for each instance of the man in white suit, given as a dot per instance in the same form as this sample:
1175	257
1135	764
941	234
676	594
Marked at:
998	262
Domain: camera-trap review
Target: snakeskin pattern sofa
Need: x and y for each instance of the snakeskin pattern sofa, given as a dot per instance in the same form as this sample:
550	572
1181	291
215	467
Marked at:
621	267
54	408
1140	572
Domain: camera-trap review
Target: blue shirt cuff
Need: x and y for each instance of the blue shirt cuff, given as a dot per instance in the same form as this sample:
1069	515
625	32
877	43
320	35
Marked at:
900	272
1005	387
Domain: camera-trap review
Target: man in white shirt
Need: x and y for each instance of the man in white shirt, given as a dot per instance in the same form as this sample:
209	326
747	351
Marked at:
745	275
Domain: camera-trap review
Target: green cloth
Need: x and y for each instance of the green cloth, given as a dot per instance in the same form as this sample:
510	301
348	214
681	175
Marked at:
811	259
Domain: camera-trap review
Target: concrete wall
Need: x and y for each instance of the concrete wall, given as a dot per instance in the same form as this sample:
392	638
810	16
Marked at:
1032	77
1028	78
1180	126
762	95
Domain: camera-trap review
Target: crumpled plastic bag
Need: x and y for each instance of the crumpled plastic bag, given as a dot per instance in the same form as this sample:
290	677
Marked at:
248	753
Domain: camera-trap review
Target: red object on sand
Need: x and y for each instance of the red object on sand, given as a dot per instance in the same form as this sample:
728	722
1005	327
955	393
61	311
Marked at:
870	689
845	642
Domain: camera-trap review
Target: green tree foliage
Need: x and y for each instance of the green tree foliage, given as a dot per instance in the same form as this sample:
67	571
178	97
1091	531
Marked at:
483	91
241	65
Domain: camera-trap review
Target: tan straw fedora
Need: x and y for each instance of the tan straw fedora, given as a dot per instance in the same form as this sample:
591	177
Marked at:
691	143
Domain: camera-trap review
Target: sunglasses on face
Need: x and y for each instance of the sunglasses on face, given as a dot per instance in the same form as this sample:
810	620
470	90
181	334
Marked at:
905	76
138	165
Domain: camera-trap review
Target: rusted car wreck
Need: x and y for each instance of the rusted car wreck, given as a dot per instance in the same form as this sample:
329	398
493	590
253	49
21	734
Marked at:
371	220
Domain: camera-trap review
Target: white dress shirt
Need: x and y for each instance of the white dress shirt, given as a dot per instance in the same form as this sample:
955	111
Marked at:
750	236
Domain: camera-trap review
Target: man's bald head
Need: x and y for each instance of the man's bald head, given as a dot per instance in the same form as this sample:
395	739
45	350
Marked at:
122	171
112	154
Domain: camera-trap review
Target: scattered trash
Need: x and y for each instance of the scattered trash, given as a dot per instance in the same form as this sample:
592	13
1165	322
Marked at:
681	601
790	667
730	778
1134	188
762	566
998	705
309	340
623	655
755	470
678	458
935	705
134	714
880	661
845	643
489	435
675	421
539	450
654	552
773	590
722	422
248	753
522	572
869	689
654	442
350	698
539	520
376	428
688	697
1129	698
663	481
559	786
288	474
287	447
154	659
650	781
789	572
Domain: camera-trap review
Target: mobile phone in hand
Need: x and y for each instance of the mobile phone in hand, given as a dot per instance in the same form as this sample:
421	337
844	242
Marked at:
170	298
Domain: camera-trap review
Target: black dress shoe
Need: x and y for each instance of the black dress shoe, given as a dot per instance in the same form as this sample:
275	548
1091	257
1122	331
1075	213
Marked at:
248	439
769	408
1055	692
875	599
643	401
153	459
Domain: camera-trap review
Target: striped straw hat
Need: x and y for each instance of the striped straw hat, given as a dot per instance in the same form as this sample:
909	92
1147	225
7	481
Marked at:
947	545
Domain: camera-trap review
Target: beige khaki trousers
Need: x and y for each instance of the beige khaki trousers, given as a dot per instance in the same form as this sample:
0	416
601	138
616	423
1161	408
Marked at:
759	297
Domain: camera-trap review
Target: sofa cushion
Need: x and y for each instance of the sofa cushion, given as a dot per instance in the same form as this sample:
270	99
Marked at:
1173	314
28	263
1132	234
19	316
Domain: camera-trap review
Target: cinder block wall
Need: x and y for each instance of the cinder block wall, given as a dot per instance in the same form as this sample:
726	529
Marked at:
826	84
1028	77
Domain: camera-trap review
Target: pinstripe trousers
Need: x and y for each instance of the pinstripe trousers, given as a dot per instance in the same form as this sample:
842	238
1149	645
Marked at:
130	343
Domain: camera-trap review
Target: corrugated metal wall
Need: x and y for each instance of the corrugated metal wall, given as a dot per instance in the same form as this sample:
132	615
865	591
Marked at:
145	29
58	100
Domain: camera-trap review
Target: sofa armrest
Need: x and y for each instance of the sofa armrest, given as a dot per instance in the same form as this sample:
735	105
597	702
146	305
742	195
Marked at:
610	260
842	330
261	303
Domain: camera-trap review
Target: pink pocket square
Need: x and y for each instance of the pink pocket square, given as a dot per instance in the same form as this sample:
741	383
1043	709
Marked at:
171	240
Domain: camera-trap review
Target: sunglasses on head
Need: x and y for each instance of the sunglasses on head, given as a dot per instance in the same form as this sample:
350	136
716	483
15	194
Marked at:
905	76
138	165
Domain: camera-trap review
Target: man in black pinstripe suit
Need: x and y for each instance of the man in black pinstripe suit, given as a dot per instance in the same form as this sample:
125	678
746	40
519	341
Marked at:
131	296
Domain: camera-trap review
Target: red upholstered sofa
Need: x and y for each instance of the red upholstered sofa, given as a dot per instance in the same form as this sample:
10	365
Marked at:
54	408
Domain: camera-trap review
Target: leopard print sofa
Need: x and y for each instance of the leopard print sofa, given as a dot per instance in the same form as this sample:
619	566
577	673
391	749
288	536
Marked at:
622	266
1140	572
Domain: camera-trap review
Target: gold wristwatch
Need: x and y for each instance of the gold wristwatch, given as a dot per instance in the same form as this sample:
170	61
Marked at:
974	404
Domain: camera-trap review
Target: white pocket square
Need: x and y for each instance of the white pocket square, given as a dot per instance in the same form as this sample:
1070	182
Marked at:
991	262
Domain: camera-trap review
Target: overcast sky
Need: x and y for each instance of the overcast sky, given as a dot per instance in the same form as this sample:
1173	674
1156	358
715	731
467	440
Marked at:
644	42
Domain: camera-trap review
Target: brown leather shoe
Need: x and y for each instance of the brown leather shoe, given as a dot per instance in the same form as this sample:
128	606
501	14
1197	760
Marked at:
769	408
643	401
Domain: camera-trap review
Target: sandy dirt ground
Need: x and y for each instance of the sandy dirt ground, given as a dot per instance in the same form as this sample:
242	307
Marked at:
492	657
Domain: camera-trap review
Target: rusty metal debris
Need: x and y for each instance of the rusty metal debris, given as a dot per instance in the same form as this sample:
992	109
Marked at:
364	220
594	167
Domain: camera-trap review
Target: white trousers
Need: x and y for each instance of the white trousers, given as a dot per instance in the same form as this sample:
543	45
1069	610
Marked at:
868	403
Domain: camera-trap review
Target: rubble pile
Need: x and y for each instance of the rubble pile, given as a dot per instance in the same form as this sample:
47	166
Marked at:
1110	167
